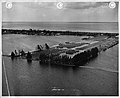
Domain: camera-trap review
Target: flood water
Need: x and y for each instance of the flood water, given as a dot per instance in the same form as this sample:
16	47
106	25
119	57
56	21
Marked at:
98	77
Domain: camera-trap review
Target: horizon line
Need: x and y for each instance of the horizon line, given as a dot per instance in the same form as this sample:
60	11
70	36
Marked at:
54	22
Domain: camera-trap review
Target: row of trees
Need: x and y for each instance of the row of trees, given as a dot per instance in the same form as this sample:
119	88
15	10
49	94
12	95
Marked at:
55	59
53	33
84	57
79	59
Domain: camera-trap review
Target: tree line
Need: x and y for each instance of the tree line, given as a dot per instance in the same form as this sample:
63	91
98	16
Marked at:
54	33
79	59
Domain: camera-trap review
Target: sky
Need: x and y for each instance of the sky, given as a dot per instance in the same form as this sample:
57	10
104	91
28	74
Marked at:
71	12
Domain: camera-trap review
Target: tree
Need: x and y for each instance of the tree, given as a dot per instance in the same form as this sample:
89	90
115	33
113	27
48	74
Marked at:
46	46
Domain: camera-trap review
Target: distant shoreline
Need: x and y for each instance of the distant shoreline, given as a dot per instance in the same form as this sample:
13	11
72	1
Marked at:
91	31
56	33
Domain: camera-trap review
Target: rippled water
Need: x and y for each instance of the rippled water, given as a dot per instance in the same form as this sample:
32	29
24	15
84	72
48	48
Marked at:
98	77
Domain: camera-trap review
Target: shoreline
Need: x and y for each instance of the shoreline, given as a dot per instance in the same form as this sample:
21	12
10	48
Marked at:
56	32
92	31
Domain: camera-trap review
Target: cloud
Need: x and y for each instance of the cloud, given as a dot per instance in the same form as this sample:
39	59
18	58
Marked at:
38	5
84	5
67	5
72	11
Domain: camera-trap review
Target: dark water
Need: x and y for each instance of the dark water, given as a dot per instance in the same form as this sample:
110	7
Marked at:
95	27
98	77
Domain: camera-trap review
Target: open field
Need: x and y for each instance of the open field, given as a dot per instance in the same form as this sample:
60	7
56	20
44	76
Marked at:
11	42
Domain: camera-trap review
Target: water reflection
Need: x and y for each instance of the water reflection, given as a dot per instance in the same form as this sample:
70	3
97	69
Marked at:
29	62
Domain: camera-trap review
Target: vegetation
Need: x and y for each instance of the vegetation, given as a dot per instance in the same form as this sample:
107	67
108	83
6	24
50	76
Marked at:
79	59
29	56
84	57
55	33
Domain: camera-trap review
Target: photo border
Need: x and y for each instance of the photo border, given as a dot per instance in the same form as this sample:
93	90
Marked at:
48	1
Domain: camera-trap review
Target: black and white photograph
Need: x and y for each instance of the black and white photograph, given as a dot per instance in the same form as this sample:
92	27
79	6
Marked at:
60	48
